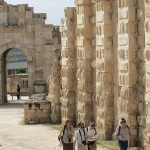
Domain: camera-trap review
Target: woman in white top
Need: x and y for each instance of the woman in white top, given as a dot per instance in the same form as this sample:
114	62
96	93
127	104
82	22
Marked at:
90	136
67	133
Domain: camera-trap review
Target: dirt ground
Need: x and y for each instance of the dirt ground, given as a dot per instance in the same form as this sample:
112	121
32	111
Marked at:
14	135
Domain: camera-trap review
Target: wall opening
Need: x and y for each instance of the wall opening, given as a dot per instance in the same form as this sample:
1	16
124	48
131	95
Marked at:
15	72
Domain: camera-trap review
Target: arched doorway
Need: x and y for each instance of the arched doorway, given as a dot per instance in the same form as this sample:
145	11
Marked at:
3	75
16	70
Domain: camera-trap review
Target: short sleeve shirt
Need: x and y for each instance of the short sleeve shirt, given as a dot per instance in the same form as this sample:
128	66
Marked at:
90	133
124	132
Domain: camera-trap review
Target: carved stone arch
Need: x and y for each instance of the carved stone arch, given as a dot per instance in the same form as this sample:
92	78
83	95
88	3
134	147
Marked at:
4	49
20	46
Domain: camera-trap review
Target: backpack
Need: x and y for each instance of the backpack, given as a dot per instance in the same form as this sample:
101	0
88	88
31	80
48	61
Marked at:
116	136
120	129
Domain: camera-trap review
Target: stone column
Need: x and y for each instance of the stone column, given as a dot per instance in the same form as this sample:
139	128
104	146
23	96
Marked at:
143	14
84	61
127	103
68	72
54	88
104	67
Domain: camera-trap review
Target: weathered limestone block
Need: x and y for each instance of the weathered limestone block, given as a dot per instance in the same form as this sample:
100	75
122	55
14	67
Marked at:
77	2
108	69
147	138
68	83
68	72
84	54
85	86
37	110
68	53
68	62
142	121
35	106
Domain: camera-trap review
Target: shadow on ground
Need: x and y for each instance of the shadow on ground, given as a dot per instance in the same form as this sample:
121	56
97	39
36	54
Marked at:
11	104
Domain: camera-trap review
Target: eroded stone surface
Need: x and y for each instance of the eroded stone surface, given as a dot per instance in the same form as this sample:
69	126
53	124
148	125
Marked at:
37	110
22	28
107	76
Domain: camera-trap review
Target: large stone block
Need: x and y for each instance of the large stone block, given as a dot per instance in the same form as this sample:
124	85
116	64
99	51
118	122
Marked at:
70	62
84	75
68	83
78	2
85	86
84	65
68	73
142	121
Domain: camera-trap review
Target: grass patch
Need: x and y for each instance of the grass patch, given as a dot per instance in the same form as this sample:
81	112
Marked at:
111	144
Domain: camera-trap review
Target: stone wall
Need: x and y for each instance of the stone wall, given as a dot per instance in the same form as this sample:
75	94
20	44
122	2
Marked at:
37	110
21	28
112	66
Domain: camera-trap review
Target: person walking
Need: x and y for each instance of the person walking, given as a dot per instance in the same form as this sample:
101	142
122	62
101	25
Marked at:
122	134
91	136
18	92
66	134
80	137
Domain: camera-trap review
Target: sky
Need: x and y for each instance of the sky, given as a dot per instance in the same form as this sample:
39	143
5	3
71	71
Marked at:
53	8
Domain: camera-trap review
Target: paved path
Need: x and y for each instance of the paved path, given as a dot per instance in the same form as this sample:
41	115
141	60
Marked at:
16	136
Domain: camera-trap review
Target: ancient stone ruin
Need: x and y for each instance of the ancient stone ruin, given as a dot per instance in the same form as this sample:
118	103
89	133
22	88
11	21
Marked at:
102	72
105	67
21	28
37	109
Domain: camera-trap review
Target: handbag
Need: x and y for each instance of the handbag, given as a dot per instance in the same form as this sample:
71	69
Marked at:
60	138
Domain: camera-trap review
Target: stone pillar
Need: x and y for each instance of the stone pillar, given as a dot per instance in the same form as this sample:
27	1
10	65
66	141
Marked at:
84	61
54	88
143	14
68	72
115	55
127	103
104	67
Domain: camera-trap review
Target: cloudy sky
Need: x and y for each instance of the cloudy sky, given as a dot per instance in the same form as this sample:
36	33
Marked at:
53	8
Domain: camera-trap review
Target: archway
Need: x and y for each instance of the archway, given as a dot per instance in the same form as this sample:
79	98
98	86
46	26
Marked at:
3	84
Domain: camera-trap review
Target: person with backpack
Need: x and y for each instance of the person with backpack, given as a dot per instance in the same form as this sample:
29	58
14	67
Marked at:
122	134
66	135
80	137
91	136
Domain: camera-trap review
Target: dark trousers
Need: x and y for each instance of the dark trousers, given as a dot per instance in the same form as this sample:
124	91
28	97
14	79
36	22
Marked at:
123	145
68	146
91	145
18	95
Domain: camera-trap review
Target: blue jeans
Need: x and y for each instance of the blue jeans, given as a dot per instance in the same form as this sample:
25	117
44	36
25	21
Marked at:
123	145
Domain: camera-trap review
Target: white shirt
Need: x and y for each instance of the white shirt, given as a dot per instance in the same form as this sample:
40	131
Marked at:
90	133
78	136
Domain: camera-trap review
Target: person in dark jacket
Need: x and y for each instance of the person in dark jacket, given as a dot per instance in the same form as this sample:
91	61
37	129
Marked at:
18	92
